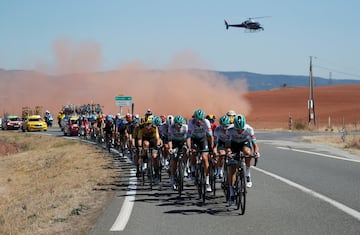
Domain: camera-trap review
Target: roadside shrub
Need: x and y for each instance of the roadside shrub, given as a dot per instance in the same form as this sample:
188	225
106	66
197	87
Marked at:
299	125
354	142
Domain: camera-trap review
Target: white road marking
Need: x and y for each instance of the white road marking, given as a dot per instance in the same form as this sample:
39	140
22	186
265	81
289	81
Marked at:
319	154
128	204
344	208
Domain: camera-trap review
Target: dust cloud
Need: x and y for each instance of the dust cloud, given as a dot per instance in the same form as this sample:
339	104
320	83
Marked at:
74	80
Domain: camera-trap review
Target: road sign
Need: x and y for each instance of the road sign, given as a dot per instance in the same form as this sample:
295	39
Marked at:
123	101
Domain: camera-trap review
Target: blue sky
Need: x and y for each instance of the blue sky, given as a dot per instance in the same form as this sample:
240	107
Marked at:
154	32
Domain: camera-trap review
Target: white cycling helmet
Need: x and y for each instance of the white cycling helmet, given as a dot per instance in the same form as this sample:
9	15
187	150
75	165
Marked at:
231	113
170	120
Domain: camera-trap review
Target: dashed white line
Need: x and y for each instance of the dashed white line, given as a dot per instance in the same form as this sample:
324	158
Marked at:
344	208
319	154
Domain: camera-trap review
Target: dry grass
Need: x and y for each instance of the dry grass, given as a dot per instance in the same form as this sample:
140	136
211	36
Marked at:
52	185
351	143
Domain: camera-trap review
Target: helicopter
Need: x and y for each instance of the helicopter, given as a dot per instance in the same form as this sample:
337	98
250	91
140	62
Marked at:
250	24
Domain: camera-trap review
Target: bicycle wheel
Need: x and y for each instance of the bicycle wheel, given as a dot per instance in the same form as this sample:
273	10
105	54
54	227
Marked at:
109	146
143	170
150	171
212	178
180	176
225	184
241	191
158	159
203	184
198	180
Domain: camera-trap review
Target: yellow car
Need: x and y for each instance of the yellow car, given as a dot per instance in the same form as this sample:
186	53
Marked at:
34	123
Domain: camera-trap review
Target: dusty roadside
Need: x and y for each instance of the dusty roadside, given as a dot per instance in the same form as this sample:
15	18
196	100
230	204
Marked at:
50	185
351	143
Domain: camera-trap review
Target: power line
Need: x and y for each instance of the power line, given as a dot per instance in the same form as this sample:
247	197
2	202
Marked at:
337	71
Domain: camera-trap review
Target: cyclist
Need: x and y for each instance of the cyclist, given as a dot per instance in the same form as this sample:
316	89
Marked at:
176	140
231	114
164	132
148	136
201	135
138	123
221	142
109	129
212	119
148	113
242	138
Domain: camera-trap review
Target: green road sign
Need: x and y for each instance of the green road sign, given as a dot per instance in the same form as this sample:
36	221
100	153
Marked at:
123	101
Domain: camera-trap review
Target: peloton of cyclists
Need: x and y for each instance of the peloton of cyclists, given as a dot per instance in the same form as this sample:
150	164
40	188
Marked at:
232	135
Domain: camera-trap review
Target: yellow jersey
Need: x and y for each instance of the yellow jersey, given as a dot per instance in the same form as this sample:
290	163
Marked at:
148	133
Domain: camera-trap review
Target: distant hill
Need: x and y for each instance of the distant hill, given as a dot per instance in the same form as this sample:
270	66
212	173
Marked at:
257	82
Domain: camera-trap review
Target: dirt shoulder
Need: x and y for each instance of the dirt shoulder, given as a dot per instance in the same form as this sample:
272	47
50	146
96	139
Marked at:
351	143
50	185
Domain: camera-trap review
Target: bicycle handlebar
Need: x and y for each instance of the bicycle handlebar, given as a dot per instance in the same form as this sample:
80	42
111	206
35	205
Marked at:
241	155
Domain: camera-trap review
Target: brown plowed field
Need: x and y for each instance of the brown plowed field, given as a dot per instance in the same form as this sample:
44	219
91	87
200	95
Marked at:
271	109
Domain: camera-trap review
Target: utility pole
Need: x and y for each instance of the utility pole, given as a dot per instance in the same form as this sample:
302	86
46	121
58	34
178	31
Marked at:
311	102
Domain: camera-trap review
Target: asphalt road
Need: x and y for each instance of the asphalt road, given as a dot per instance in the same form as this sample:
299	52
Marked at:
298	188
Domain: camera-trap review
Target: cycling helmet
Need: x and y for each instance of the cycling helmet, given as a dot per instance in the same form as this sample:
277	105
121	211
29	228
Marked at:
231	113
199	114
128	117
239	121
148	112
148	119
170	120
110	117
211	118
179	120
224	120
156	121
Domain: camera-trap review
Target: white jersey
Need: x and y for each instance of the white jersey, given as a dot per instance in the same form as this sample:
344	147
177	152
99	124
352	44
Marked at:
176	135
247	134
199	132
220	135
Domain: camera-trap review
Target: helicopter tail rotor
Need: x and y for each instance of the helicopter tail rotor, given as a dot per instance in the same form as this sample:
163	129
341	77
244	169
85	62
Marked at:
226	24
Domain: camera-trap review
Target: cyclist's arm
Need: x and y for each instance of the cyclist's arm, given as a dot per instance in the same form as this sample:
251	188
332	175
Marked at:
139	135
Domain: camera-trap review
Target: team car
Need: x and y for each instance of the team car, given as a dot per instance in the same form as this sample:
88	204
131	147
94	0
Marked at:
11	122
34	123
71	126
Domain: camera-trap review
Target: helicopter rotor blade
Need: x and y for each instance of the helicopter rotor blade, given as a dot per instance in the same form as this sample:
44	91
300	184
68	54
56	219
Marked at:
259	17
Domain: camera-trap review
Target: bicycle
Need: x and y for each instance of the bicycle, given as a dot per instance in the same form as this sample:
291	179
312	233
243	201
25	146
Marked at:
109	141
180	168
225	181
240	189
212	174
146	166
200	181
